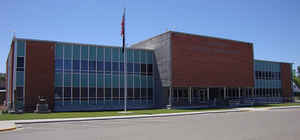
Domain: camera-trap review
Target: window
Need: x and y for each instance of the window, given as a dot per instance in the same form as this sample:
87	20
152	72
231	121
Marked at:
76	80
84	93
58	93
20	78
143	68
84	80
115	54
150	69
100	66
115	66
20	61
67	79
137	68
115	93
100	81
84	65
107	54
67	52
92	80
76	53
67	65
100	93
92	92
92	53
107	93
76	93
58	51
76	65
107	67
129	67
92	66
84	53
67	92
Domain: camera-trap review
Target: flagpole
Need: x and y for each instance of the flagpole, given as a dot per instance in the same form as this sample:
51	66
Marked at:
125	78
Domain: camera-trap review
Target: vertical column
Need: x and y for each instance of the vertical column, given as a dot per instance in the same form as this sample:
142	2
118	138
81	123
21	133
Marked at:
239	92
224	93
170	96
190	95
207	94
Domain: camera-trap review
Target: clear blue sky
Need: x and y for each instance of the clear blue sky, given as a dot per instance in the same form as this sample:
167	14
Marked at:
272	25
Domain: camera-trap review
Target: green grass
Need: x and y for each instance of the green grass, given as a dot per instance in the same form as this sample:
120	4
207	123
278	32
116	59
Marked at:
29	116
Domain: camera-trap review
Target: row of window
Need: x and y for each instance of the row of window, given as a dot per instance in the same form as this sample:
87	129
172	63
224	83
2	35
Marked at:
103	93
101	54
20	63
100	80
268	92
267	75
93	66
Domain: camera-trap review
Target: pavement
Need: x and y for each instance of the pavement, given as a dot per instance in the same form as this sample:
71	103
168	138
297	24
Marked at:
270	124
11	125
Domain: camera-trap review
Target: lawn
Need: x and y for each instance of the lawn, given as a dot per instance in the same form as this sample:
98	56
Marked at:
28	116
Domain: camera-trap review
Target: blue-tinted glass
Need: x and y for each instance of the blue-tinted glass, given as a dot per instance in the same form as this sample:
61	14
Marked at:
107	54
58	51
143	57
20	78
129	67
20	48
100	53
122	81
58	64
144	82
84	65
84	53
67	51
58	79
92	53
130	81
115	81
115	54
100	66
149	57
76	52
130	55
107	67
107	81
136	82
137	68
150	82
67	79
76	65
84	80
92	65
67	64
100	83
92	80
76	80
115	66
136	56
122	67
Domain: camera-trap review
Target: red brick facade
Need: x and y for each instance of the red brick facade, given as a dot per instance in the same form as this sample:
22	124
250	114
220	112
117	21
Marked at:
210	62
286	78
39	73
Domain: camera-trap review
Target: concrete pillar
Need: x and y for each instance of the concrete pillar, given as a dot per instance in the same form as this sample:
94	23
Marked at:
170	96
239	92
207	94
224	93
190	95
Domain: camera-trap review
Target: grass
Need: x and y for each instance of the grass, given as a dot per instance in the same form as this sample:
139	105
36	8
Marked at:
29	116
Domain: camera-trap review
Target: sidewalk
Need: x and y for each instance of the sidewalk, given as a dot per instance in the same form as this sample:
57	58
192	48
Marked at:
11	125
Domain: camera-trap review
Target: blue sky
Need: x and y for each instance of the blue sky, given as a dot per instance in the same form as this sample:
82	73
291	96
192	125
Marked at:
271	25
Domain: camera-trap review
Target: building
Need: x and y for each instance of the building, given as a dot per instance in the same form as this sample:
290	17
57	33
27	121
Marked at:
173	68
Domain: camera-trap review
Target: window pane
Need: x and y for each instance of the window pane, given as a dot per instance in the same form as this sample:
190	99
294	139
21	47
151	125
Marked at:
92	53
58	79
76	52
136	56
92	65
76	80
115	54
84	65
115	81
58	64
84	53
143	68
129	67
100	81
58	93
67	92
92	92
76	93
84	80
100	54
67	65
58	51
92	80
115	66
100	66
20	78
149	57
20	48
137	68
107	54
20	61
107	67
76	65
67	79
67	52
107	81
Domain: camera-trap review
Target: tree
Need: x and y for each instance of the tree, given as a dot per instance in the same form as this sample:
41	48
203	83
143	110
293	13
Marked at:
298	71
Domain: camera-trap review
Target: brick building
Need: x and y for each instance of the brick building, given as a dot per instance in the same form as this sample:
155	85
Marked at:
173	68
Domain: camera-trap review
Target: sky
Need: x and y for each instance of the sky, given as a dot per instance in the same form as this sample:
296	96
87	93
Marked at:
271	25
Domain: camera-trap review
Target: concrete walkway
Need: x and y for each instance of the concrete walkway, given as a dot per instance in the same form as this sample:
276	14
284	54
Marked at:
11	125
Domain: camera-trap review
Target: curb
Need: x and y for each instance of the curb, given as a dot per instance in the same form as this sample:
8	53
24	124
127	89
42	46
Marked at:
119	117
14	127
285	107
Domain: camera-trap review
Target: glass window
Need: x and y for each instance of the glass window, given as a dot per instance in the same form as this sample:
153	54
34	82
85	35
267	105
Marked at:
92	53
84	53
122	81
137	82
107	67
137	68
149	57
130	55
67	65
100	81
130	93
20	61
122	67
19	92
84	80
58	64
67	52
115	81
100	66
58	51
100	92
107	93
92	80
144	82
76	80
84	65
92	65
84	93
130	81
107	81
58	93
137	94
115	93
76	52
150	69
115	54
76	65
107	54
143	57
100	54
129	67
143	68
20	78
92	92
150	82
58	79
150	93
76	93
20	48
137	56
115	66
67	79
67	92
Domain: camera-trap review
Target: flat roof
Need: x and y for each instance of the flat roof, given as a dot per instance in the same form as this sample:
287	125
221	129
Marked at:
271	61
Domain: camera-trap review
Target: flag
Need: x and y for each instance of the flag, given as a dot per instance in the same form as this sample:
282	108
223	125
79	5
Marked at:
123	31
